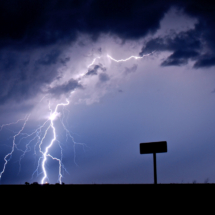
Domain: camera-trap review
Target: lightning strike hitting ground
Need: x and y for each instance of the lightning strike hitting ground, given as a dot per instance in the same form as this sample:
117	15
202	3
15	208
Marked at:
45	154
37	135
41	132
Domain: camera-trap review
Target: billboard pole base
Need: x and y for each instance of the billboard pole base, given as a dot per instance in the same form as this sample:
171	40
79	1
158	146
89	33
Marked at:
155	169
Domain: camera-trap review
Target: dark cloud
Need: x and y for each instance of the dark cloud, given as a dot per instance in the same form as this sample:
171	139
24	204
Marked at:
65	88
184	45
180	57
27	24
204	12
94	70
32	24
49	58
188	40
190	44
207	60
103	77
22	75
65	60
130	70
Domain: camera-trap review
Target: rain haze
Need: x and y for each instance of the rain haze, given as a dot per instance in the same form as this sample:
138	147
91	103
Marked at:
95	79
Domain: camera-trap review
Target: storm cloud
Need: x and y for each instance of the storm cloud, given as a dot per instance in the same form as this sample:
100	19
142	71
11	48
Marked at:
42	23
29	26
94	70
103	77
23	75
131	70
65	88
196	44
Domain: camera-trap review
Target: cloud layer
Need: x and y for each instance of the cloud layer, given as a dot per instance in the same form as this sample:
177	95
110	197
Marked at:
29	29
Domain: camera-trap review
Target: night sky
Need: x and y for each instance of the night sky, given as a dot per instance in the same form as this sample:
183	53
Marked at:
57	52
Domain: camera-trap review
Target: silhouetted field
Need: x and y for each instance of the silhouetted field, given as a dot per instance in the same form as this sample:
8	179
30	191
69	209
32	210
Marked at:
94	184
158	191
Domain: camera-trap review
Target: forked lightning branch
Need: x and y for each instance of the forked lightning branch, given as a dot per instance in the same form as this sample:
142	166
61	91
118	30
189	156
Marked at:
38	136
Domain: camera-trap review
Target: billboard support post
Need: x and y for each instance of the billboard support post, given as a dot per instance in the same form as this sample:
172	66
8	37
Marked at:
153	147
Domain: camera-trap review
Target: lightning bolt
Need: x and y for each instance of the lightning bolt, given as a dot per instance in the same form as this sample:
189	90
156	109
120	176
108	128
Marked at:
45	154
94	60
37	135
12	123
129	58
6	159
40	133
